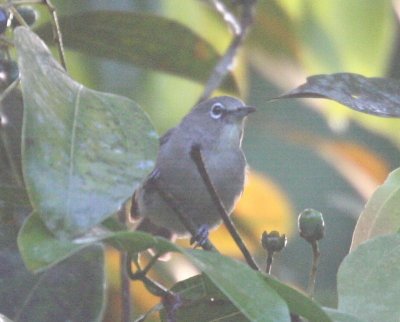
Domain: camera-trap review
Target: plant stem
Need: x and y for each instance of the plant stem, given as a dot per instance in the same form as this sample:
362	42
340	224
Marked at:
314	267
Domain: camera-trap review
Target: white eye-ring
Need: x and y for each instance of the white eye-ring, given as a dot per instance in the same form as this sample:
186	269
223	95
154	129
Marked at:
217	110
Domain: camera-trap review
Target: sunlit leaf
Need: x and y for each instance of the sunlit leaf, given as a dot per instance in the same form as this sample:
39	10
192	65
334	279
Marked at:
142	39
377	96
368	280
381	214
84	152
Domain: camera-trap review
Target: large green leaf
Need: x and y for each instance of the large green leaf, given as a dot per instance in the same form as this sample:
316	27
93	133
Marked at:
73	290
368	280
84	152
142	39
202	299
244	287
377	96
225	273
382	213
39	248
338	316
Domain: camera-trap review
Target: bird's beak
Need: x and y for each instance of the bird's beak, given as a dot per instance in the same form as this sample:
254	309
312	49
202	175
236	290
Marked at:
244	111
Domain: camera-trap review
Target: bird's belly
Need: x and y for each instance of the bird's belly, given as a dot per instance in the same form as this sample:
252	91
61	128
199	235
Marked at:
190	192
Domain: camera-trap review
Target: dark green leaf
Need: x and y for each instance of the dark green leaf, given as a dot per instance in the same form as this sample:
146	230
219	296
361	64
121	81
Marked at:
74	290
244	287
39	248
84	152
297	302
202	299
368	280
338	316
381	214
142	39
377	96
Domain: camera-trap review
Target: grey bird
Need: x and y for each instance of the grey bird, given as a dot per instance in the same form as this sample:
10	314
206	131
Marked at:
216	126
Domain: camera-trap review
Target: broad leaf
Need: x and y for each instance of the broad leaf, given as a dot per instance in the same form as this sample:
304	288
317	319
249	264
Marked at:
377	96
338	316
202	299
84	152
57	294
39	248
142	39
381	214
368	280
244	287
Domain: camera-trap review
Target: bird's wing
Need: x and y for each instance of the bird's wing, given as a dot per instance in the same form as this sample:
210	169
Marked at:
164	139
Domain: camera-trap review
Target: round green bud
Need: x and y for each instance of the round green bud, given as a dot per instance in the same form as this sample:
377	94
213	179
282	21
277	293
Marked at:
311	225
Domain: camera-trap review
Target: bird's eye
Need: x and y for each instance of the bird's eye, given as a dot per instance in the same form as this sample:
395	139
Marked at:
217	110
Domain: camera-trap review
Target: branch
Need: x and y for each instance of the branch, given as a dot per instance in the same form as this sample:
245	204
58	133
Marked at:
56	32
185	219
198	160
239	28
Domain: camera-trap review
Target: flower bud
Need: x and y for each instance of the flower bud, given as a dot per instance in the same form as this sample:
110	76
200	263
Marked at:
311	225
273	242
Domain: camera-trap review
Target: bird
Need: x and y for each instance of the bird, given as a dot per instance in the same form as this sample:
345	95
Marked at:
216	126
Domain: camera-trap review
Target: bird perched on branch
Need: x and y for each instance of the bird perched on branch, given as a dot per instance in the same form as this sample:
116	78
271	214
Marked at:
214	126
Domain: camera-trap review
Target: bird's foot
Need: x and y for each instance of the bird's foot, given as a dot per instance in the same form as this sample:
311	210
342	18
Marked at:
201	236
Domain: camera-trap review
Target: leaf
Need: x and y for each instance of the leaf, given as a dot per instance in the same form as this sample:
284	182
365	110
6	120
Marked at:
84	152
381	214
244	287
202	299
142	39
368	280
57	294
377	96
222	271
338	316
39	248
297	302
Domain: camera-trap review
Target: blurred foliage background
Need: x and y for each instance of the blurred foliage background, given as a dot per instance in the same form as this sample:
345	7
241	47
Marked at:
302	153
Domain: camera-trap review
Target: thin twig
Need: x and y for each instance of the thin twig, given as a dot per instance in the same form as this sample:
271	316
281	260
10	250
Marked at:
126	310
269	262
15	169
239	27
314	267
198	160
56	32
154	287
183	217
125	289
